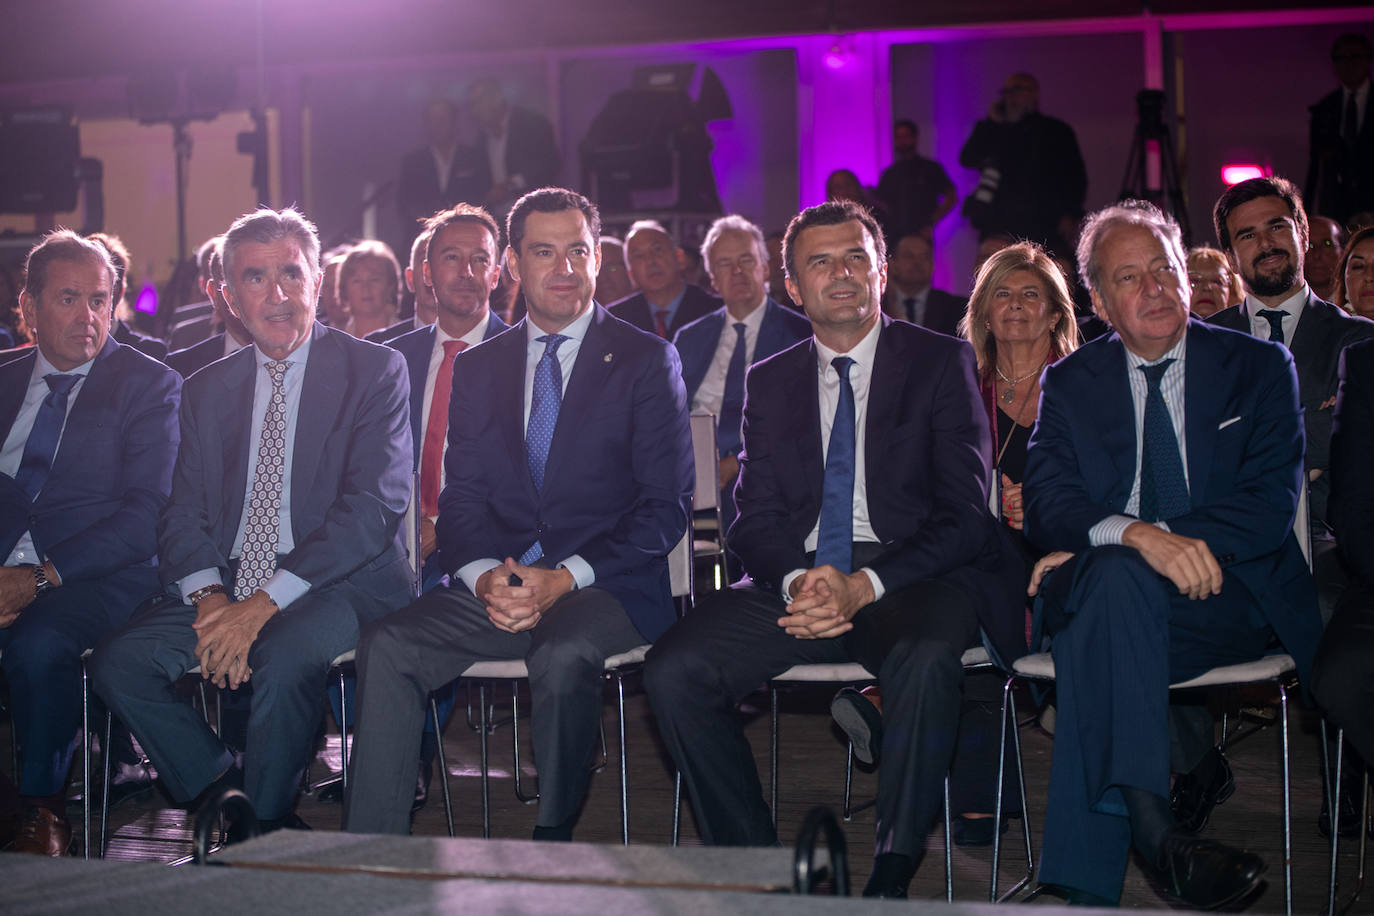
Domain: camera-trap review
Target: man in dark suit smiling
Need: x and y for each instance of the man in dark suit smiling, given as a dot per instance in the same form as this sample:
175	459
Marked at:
864	527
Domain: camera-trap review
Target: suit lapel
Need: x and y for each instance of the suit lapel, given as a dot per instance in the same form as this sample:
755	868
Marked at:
14	384
510	402
806	420
234	424
1206	370
1118	439
596	359
885	382
1310	346
322	395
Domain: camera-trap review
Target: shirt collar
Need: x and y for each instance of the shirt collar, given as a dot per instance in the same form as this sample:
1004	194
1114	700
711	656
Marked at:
1293	305
576	330
752	320
1176	352
862	353
297	356
42	367
472	338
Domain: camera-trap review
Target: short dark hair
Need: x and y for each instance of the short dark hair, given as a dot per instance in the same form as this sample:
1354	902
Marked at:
831	213
1254	189
63	245
463	213
908	123
1353	40
549	200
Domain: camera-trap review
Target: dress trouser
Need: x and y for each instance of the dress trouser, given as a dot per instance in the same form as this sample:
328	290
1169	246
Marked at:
1343	673
1122	634
136	672
42	663
912	639
424	646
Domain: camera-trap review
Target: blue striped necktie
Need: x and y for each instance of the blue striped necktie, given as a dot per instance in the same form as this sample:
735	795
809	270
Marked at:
545	402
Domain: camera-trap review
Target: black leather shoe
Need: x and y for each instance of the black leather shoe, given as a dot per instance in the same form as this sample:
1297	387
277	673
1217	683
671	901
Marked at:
1350	815
1193	800
1204	873
891	876
861	721
975	831
422	780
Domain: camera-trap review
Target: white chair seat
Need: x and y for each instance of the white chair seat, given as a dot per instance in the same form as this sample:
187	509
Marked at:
853	671
514	668
1041	667
344	659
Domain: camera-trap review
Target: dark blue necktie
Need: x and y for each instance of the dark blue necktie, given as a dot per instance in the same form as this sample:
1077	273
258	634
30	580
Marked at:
1275	319
1163	489
835	542
544	403
41	447
732	406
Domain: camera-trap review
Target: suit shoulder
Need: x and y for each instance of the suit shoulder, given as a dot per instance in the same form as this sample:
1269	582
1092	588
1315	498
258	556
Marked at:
1350	327
1233	318
782	363
706	324
131	362
626	304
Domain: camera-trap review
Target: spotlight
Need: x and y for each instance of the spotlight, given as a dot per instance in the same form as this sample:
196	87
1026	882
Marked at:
1238	172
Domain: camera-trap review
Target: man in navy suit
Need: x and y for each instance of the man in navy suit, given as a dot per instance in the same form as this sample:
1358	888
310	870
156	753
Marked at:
665	301
89	435
864	529
910	296
717	350
567	481
461	269
232	339
293	476
1340	165
439	174
1168	455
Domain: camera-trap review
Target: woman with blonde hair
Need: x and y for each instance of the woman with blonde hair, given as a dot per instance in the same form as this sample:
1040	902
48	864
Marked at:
1215	285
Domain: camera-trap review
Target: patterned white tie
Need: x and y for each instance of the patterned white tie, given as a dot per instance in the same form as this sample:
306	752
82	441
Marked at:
258	556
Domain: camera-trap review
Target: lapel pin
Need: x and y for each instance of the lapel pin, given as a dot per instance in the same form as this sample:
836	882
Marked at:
607	358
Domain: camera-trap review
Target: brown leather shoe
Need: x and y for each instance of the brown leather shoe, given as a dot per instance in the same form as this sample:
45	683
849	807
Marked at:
43	833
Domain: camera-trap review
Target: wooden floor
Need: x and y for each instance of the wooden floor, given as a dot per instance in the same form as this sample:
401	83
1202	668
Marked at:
812	767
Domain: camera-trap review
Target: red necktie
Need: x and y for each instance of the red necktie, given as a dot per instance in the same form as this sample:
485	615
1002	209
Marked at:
661	322
432	456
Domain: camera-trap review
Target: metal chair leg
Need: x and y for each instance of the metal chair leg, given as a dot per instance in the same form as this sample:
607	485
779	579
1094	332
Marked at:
443	764
847	810
86	761
624	764
1009	715
526	798
343	732
1331	794
773	752
106	762
486	786
1287	809
949	849
677	804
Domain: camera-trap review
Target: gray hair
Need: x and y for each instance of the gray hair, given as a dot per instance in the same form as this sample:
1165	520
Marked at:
266	226
645	225
1126	213
732	222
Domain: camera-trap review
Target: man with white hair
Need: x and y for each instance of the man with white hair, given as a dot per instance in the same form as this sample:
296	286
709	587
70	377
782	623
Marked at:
1168	459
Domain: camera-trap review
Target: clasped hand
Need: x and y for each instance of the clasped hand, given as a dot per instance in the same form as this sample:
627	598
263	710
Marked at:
514	608
226	630
823	602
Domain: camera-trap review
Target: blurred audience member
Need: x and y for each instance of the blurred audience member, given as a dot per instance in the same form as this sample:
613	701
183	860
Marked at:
1215	285
516	151
333	312
988	246
777	271
231	339
909	295
1326	238
915	191
613	281
1355	275
1340	164
13	331
426	307
665	301
437	175
119	328
843	184
1033	179
369	287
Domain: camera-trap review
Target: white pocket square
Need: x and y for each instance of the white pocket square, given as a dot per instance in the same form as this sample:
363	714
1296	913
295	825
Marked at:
1223	425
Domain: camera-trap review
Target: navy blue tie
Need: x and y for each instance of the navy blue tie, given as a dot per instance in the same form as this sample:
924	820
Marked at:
1163	488
1275	319
835	541
41	446
732	406
545	401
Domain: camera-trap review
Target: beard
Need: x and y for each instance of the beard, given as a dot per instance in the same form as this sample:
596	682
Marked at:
1272	284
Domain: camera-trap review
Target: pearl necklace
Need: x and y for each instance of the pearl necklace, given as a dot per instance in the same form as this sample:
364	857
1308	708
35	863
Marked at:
1010	394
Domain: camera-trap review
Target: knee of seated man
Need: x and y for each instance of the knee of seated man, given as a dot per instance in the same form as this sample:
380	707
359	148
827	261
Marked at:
572	659
674	674
1114	567
1337	675
35	649
928	661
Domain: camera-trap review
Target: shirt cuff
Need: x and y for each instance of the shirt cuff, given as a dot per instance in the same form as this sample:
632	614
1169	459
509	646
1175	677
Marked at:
285	587
787	584
471	572
197	580
581	570
878	590
1110	530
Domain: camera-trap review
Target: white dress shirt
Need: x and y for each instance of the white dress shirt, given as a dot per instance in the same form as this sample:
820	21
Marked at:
710	394
1111	528
1291	307
828	389
436	360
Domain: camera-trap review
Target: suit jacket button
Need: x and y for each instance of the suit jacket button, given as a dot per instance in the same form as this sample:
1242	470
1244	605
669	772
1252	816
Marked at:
541	527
